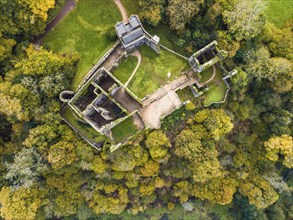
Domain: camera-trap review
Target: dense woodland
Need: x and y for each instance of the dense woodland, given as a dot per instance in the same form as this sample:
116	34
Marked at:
229	161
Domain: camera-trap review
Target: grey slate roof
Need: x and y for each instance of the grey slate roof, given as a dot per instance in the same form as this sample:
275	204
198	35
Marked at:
133	36
120	29
134	21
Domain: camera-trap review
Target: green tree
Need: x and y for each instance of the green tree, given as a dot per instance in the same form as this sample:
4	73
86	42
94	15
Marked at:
25	18
150	168
26	169
246	19
128	157
282	71
203	159
111	199
279	41
17	102
15	204
258	63
218	190
280	145
182	190
180	12
67	203
151	10
41	137
158	144
5	47
62	154
259	192
216	121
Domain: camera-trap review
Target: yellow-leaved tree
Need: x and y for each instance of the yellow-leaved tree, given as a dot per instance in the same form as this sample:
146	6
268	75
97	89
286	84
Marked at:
280	145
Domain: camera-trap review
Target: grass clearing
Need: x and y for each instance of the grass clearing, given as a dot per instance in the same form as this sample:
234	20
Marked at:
206	74
167	36
83	128
185	94
279	11
85	30
125	69
217	90
132	7
216	94
124	130
153	71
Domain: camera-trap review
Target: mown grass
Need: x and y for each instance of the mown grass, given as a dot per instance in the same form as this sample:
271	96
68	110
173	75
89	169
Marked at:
131	6
185	94
85	30
167	36
153	71
83	128
206	74
216	94
124	130
217	90
125	69
279	11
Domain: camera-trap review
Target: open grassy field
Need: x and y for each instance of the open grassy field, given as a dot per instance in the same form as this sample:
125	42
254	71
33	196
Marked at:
125	69
83	128
153	71
206	74
131	6
217	90
216	94
185	94
124	130
85	30
279	11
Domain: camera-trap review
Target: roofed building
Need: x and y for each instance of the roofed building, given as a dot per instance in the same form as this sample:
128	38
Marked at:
132	35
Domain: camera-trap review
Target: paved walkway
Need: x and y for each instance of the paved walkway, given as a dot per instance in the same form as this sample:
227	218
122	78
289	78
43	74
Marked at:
69	5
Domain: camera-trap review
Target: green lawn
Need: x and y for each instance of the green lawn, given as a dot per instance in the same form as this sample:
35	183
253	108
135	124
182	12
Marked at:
131	6
167	36
279	11
206	74
85	30
124	130
125	69
215	94
153	71
185	94
217	90
83	128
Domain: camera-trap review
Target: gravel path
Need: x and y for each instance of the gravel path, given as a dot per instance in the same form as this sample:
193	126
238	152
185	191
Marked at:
69	5
122	10
136	54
